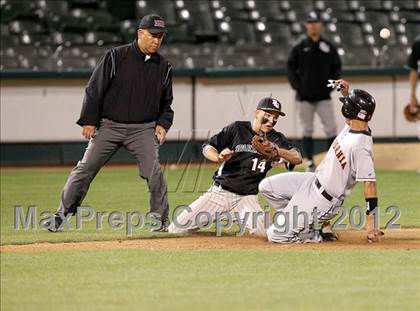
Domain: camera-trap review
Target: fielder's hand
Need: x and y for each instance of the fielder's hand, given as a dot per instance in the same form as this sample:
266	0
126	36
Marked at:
224	155
160	133
88	131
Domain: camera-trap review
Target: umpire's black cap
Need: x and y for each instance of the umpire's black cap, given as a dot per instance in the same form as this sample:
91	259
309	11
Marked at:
270	104
312	17
153	23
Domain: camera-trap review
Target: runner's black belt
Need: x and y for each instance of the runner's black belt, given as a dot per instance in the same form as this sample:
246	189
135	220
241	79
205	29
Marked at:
324	193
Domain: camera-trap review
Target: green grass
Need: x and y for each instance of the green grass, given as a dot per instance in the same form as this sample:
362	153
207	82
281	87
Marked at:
121	189
135	279
211	280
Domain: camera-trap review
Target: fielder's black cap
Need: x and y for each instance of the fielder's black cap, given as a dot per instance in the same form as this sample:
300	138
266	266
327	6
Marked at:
312	17
270	104
153	23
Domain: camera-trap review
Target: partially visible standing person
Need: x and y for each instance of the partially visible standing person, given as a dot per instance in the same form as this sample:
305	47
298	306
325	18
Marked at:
312	61
127	104
413	77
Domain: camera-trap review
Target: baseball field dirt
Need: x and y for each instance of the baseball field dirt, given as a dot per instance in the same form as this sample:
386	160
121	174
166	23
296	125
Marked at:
393	239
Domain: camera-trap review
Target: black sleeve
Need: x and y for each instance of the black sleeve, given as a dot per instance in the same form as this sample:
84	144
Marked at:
335	65
166	114
223	139
415	55
96	89
293	67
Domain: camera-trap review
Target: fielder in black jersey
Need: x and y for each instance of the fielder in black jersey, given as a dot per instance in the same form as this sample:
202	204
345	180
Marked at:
235	186
243	172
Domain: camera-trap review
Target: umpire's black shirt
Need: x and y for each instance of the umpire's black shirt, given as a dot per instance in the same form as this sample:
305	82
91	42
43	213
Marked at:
310	65
129	87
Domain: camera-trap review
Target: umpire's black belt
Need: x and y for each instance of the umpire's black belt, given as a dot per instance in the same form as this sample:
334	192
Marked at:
324	193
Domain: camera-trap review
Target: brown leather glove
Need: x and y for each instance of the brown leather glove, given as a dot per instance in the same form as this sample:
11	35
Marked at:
410	114
265	147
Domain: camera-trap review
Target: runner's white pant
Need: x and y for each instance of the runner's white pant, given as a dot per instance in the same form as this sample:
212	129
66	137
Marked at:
295	197
217	201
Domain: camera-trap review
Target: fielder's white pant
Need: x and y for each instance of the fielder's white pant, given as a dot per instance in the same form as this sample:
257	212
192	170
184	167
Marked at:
295	197
217	200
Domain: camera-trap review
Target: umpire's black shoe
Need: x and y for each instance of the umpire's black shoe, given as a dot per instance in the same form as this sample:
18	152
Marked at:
163	227
54	225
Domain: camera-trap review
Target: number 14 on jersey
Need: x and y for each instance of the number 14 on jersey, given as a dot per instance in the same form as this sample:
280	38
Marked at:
256	165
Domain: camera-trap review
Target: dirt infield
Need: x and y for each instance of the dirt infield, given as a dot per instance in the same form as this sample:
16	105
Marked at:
349	240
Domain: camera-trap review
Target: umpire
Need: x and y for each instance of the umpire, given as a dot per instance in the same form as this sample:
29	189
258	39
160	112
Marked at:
312	61
127	103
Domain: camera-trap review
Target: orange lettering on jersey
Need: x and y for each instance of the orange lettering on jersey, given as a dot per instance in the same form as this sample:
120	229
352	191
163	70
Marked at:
339	154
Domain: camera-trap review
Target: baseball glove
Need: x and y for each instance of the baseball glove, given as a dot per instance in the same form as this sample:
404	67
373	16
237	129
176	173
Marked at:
412	115
265	147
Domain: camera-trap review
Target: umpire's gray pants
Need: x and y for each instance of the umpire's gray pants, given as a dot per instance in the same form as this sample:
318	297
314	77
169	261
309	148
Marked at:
325	111
140	141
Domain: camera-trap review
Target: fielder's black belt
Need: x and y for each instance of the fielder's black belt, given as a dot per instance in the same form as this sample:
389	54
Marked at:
216	183
324	193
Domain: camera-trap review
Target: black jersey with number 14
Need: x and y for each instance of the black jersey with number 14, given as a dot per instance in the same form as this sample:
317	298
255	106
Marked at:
243	172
